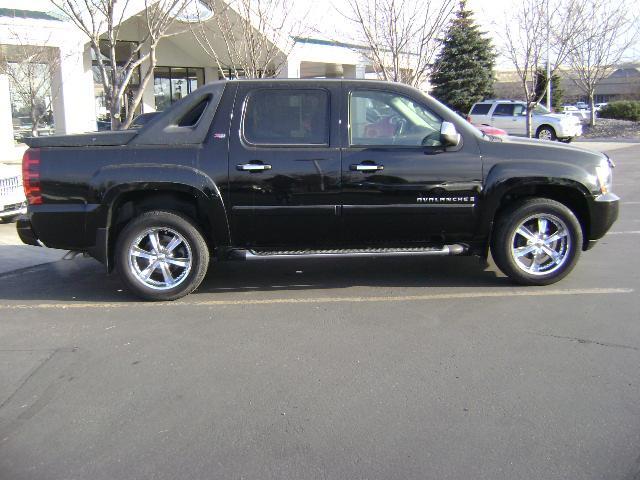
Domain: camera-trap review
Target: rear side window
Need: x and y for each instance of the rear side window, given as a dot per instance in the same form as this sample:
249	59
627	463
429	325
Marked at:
193	116
481	109
287	117
504	110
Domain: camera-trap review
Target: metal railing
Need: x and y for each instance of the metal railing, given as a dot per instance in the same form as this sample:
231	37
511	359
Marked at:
10	185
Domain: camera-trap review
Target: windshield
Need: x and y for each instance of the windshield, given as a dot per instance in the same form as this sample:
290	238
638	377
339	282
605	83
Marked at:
540	110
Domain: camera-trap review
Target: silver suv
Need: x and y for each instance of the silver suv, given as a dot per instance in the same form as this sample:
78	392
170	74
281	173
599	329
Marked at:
511	116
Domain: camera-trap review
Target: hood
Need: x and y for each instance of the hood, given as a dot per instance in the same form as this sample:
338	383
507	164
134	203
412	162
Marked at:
517	148
541	158
558	117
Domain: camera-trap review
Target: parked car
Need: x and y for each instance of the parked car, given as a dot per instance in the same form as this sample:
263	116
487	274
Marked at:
273	169
103	125
582	115
510	115
12	199
486	129
600	106
582	105
491	130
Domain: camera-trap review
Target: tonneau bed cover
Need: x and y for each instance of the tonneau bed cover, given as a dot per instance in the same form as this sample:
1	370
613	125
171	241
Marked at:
100	139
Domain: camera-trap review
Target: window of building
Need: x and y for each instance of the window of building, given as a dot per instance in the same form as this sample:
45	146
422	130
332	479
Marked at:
384	118
286	117
170	84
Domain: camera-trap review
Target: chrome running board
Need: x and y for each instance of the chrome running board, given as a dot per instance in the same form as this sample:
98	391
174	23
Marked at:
446	250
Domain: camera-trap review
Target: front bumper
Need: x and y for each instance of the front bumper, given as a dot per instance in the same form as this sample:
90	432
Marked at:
604	212
569	131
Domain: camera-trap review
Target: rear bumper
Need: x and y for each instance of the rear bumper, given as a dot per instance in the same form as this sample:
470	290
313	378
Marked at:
26	233
604	213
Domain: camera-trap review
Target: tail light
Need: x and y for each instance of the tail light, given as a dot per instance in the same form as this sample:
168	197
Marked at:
31	176
469	118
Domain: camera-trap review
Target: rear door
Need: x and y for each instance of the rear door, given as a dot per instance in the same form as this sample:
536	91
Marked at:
509	117
284	164
480	114
400	186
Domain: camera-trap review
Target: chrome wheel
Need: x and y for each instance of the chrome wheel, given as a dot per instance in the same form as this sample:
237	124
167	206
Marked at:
545	134
540	244
160	258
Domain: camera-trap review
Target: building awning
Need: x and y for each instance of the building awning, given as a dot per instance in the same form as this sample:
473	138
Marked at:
27	14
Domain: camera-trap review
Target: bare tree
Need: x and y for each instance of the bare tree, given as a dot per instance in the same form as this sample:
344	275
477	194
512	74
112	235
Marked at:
610	31
400	36
526	34
100	21
248	38
29	69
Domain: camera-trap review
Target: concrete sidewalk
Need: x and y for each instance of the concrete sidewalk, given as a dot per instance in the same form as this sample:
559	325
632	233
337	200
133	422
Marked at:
600	145
14	255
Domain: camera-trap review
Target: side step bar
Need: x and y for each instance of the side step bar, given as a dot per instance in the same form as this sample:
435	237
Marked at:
455	249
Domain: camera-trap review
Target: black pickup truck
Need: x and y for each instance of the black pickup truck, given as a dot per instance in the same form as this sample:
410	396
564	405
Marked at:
311	168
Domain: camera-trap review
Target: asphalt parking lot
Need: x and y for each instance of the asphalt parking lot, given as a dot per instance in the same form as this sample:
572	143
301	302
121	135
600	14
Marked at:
386	369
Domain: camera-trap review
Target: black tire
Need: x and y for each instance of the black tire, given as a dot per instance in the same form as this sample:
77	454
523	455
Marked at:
507	245
546	132
192	250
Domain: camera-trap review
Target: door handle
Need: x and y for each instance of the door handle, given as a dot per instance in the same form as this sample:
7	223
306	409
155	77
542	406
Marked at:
367	167
253	167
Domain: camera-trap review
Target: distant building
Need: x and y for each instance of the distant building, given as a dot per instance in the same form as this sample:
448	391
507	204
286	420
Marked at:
623	83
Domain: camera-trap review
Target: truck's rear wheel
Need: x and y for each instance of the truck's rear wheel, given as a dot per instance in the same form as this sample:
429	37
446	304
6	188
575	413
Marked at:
537	242
161	256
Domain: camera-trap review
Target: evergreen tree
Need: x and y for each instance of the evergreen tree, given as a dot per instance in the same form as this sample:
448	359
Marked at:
464	66
556	89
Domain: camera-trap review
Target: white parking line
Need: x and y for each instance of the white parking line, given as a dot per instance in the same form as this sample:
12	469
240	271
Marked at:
277	301
628	232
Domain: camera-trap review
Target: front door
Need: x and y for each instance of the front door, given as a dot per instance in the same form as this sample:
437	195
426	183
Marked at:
400	185
284	165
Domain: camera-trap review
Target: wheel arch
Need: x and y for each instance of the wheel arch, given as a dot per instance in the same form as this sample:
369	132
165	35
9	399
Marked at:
502	195
547	125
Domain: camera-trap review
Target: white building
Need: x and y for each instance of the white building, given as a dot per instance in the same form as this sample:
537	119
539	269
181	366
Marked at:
182	65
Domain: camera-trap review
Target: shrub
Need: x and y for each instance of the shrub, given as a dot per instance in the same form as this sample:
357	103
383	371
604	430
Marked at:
622	110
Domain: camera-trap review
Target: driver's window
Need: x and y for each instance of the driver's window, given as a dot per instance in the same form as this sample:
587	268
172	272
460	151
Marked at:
388	119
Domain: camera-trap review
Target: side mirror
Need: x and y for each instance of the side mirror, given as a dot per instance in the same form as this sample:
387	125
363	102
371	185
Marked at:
449	136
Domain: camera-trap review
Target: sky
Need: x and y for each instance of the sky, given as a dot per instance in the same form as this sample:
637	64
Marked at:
330	24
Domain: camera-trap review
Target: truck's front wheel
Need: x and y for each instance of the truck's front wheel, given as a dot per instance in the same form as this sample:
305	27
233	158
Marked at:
545	132
537	242
161	256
